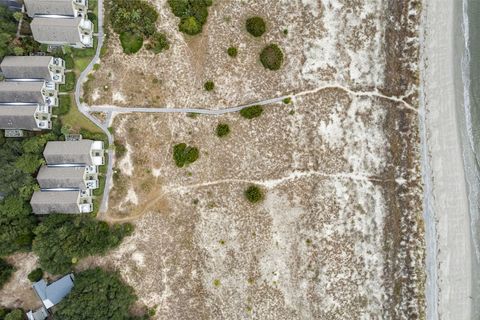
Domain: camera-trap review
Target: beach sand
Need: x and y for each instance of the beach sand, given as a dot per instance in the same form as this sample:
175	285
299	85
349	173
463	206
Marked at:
453	274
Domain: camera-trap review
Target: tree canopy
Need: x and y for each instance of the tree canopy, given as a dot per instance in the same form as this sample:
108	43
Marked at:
61	240
8	28
16	225
255	26
272	57
97	294
184	155
6	271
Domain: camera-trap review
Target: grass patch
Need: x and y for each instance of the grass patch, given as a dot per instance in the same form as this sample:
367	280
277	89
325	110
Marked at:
251	112
131	42
222	130
64	105
184	155
76	121
158	43
253	194
69	84
209	85
255	26
120	150
232	52
272	57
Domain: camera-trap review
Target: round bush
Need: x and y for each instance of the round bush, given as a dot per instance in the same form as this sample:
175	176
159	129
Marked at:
272	57
255	26
183	155
131	42
222	130
209	85
232	52
253	194
251	112
35	275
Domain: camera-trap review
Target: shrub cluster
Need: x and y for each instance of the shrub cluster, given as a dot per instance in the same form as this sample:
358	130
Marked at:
222	130
272	57
184	155
134	21
232	52
251	112
253	194
192	13
158	43
209	85
255	26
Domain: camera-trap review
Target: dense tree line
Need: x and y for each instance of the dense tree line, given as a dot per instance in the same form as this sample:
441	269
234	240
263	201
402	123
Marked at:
97	294
61	240
9	314
6	271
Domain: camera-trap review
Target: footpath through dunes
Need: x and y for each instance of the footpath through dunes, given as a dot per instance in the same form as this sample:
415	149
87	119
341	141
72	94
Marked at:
339	233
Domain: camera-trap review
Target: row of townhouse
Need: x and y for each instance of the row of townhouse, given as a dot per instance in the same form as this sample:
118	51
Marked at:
60	22
69	177
29	92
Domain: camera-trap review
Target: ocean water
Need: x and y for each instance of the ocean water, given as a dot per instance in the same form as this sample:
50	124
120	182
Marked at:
468	96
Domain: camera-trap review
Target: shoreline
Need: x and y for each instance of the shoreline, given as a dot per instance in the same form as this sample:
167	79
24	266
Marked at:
449	283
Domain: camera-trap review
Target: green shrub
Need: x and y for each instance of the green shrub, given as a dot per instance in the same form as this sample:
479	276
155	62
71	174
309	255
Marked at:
272	57
255	26
131	42
232	52
120	150
184	155
158	43
35	275
222	130
209	85
253	194
6	271
287	100
192	13
16	314
251	112
97	294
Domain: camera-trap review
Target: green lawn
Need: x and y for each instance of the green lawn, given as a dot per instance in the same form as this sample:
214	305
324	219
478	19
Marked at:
77	121
69	82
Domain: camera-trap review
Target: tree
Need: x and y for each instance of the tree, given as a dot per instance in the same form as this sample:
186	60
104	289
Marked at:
6	271
251	112
16	225
8	29
61	240
29	162
190	26
97	294
16	314
184	155
255	26
272	57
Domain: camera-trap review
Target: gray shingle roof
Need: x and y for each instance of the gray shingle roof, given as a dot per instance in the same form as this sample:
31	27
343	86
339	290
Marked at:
26	67
18	117
68	152
53	293
61	177
21	91
46	202
60	7
64	30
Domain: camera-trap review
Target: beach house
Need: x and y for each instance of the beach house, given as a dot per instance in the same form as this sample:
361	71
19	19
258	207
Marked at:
84	152
67	178
31	117
76	32
69	202
46	68
73	8
27	92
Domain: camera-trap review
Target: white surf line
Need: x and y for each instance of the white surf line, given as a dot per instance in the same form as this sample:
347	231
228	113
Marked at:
221	111
270	184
